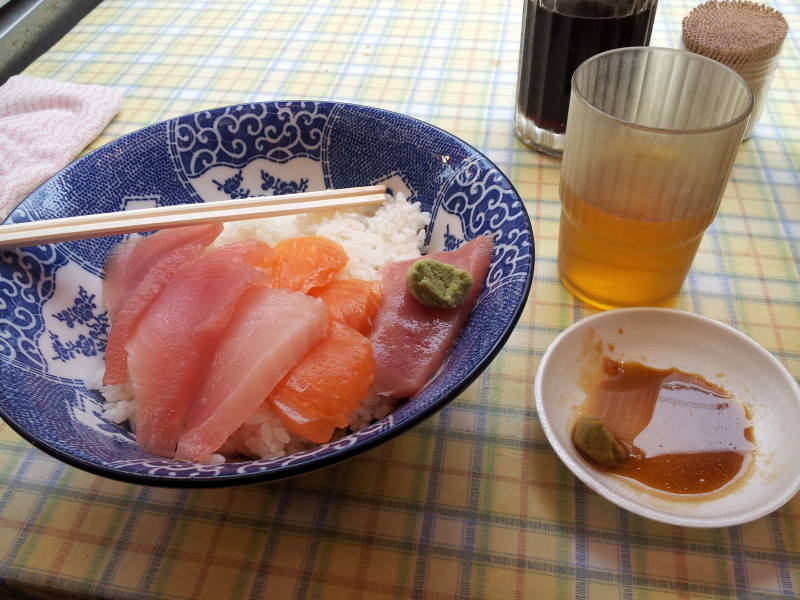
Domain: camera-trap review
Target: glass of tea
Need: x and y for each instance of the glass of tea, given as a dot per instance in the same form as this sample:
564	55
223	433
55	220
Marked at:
557	36
650	143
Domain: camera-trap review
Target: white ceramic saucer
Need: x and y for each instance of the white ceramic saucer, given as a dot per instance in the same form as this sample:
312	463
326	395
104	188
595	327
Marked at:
663	338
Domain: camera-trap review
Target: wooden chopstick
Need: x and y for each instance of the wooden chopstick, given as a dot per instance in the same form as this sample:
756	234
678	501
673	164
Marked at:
198	207
98	225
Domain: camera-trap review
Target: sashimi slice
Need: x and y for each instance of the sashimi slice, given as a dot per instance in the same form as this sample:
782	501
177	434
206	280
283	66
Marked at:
117	281
351	301
306	262
269	334
321	392
133	259
175	340
135	274
411	340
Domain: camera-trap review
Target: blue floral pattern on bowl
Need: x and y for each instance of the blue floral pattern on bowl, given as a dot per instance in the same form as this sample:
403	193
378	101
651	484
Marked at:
53	326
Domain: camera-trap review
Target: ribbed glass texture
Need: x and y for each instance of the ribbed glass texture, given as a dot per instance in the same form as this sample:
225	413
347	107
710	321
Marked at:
650	142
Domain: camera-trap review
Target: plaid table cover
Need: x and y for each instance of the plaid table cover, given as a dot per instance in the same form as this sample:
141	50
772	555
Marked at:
473	503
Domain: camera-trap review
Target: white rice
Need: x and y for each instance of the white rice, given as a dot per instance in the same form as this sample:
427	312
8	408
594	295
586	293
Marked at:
394	232
372	407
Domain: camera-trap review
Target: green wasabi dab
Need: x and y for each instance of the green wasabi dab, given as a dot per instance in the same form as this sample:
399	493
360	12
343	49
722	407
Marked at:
438	284
595	440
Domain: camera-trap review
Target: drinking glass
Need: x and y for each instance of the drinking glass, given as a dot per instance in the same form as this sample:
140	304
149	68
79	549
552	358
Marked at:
557	36
650	143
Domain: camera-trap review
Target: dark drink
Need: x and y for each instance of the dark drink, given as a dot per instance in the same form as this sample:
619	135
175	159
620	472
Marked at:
557	36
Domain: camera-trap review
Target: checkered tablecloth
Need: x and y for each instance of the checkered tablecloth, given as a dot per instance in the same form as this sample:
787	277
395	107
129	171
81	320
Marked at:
473	503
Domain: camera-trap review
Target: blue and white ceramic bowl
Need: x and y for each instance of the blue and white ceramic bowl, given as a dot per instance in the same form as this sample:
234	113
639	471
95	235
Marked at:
53	327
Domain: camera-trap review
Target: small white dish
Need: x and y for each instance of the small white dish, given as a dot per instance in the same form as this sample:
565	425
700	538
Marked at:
663	338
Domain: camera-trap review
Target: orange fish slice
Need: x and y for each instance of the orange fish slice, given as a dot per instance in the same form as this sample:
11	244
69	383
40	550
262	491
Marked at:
321	392
351	301
306	262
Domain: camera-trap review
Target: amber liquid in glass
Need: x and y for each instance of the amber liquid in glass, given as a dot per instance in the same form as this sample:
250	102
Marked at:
610	261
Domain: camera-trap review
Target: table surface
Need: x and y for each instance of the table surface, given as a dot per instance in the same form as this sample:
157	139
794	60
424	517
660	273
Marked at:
472	503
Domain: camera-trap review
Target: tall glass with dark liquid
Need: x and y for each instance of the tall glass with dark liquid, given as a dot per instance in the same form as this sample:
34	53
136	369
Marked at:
557	36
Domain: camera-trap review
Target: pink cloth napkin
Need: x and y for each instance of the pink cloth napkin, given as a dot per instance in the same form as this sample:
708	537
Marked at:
44	124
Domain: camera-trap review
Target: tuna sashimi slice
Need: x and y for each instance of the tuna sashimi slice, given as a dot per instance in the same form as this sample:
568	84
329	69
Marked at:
132	260
174	343
411	340
321	392
269	334
135	274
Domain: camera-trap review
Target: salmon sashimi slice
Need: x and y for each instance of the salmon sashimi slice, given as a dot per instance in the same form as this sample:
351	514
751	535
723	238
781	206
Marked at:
269	334
135	274
306	262
320	393
351	301
411	340
176	338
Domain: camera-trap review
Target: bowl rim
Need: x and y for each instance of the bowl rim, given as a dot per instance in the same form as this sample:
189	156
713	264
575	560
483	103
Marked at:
315	463
623	501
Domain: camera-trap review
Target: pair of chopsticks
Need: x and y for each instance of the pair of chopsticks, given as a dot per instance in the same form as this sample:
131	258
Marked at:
73	228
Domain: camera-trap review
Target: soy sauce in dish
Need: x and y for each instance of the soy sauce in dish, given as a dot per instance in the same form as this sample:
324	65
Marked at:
678	433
